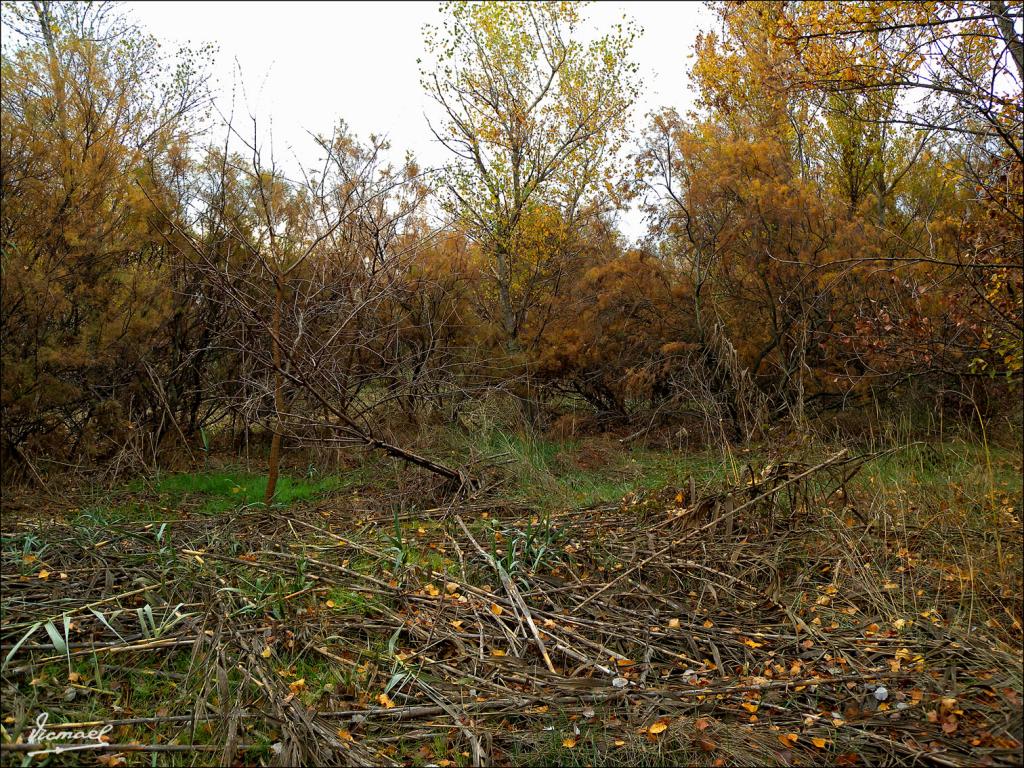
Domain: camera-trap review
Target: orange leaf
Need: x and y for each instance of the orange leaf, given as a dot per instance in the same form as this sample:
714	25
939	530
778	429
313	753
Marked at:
788	739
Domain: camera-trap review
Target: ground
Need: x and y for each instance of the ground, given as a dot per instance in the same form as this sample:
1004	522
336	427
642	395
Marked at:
593	604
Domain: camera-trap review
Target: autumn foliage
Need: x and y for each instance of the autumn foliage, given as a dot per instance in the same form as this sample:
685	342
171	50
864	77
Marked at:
837	223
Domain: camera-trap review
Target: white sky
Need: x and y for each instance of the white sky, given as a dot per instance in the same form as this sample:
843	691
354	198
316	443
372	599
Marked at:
307	64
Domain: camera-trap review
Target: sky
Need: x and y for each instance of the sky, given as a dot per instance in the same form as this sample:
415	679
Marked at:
303	65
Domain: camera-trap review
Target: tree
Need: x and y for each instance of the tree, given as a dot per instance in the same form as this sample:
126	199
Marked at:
533	118
95	120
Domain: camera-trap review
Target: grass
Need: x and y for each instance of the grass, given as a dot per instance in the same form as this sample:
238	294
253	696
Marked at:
551	474
221	492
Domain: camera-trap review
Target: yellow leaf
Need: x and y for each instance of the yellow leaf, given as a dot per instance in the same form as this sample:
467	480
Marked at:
345	735
818	742
657	727
329	603
749	706
385	701
673	623
788	739
266	653
569	743
625	662
752	644
496	609
44	575
497	652
708	623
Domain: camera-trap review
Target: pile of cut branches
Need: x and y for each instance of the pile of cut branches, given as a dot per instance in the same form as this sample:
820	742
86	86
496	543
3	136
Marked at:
778	621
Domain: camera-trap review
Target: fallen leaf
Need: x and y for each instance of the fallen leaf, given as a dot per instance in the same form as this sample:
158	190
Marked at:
819	742
673	623
569	743
657	727
707	745
385	701
788	739
496	609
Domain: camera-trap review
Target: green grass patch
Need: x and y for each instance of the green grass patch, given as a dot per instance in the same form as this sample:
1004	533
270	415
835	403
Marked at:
549	474
224	491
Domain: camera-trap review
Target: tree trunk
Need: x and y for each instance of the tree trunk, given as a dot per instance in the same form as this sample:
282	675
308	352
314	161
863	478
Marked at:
275	349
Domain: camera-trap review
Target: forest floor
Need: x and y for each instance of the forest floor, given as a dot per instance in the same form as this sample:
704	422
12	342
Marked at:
598	605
